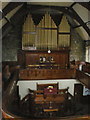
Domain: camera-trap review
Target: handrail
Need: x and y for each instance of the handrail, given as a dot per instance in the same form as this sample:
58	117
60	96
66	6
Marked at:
8	97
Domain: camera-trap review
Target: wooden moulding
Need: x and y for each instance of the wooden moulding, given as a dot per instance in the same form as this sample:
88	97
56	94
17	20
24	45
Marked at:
83	77
45	74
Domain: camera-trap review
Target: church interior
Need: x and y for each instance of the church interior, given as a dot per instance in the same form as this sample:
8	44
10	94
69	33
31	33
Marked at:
45	60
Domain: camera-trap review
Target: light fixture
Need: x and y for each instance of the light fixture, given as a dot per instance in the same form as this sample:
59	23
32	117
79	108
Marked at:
49	51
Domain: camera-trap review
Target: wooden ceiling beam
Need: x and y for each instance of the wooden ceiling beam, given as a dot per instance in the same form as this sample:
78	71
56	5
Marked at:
10	7
16	19
81	25
72	5
37	8
80	21
66	10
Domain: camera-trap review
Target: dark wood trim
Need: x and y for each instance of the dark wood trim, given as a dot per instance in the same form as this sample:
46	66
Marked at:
6	19
72	5
81	25
46	28
38	8
83	78
78	18
66	10
77	26
11	6
85	4
57	36
70	38
14	20
35	8
62	49
63	33
2	16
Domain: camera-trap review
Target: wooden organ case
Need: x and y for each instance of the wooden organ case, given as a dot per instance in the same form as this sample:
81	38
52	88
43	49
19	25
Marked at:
44	65
47	65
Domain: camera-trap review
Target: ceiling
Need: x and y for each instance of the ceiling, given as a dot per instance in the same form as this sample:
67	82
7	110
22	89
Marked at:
52	3
77	14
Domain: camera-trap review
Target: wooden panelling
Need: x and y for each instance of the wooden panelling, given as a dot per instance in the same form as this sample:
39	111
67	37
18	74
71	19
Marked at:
31	58
37	74
60	57
58	69
78	92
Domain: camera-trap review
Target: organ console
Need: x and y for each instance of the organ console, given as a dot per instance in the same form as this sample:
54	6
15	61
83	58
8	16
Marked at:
56	57
44	65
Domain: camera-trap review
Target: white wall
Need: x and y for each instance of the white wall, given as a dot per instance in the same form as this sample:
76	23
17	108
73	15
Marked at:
63	83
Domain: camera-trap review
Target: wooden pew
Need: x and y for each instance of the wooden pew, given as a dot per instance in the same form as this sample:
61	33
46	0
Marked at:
83	77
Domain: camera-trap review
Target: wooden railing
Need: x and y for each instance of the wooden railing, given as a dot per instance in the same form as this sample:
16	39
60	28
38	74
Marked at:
86	68
8	95
37	74
83	78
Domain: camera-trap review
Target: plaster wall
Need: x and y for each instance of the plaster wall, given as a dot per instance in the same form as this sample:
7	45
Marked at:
63	83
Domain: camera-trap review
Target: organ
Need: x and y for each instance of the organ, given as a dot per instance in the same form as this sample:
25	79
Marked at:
44	65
